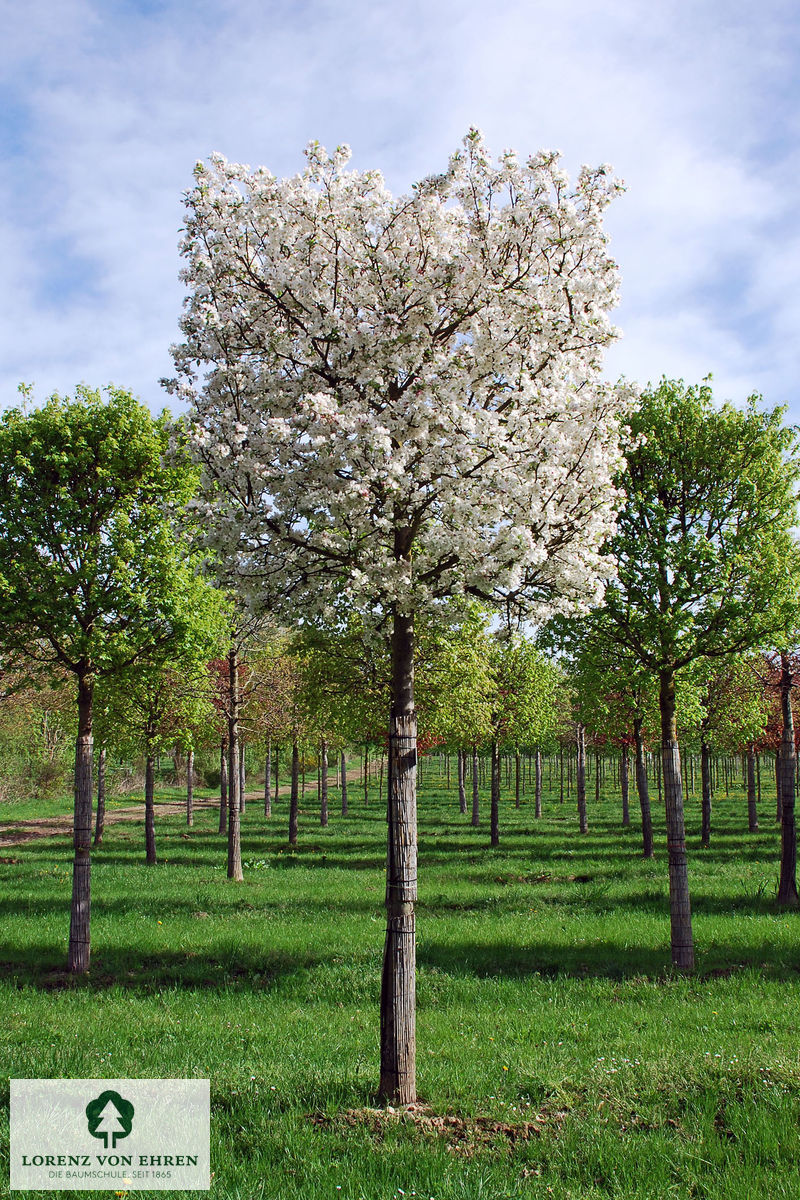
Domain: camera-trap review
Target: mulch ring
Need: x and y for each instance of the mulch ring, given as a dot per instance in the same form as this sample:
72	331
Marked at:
462	1135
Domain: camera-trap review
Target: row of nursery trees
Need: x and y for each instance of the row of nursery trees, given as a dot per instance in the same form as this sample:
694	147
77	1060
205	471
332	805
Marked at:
395	414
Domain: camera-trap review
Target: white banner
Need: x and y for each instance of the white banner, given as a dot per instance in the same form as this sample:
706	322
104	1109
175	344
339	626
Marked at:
110	1134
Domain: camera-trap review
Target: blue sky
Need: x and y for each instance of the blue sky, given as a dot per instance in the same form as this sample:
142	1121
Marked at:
107	105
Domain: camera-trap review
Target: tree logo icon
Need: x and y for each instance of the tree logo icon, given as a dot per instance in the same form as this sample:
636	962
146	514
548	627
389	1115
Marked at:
109	1116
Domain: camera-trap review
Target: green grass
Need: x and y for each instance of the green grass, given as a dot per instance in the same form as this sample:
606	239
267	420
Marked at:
544	992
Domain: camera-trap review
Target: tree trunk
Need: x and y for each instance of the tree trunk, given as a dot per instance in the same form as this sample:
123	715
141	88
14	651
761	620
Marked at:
101	796
190	788
234	771
80	911
149	807
323	810
462	794
679	903
294	794
624	787
581	779
343	771
787	888
705	773
642	790
537	794
494	823
267	781
475	784
752	809
277	772
398	981
223	785
366	774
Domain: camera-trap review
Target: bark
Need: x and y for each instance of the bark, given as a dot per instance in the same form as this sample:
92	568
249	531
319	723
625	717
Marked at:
223	786
294	794
366	775
494	823
343	771
277	766
267	781
475	785
323	810
787	887
624	773
462	794
149	807
101	797
752	809
80	911
643	791
190	788
234	771
705	774
581	779
679	902
537	794
398	981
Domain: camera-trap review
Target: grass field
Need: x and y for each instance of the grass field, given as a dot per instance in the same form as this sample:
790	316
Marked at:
558	1056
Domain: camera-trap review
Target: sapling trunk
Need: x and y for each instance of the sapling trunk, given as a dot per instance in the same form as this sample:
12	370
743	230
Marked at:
223	785
462	794
705	775
343	772
398	980
149	807
581	779
679	902
100	820
323	813
267	781
787	887
537	793
234	772
494	823
190	788
643	790
475	785
752	808
294	794
624	787
80	911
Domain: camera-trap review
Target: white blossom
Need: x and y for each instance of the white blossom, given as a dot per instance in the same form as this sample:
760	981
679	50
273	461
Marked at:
401	397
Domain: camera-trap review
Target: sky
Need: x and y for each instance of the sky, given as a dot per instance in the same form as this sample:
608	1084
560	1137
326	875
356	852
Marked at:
107	105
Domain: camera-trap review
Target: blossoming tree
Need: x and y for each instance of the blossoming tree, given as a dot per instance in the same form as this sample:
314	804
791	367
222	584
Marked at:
397	400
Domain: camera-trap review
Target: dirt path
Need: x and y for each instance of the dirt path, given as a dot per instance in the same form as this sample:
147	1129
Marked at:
19	832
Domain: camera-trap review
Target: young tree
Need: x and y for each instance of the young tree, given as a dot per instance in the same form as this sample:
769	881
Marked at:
90	572
706	562
403	403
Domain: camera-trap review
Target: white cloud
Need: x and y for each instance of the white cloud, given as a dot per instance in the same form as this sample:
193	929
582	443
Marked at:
693	104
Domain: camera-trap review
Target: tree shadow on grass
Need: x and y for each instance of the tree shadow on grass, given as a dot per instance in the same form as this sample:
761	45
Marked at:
599	960
231	968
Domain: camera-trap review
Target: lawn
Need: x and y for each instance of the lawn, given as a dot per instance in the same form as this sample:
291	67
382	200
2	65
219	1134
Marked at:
558	1055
